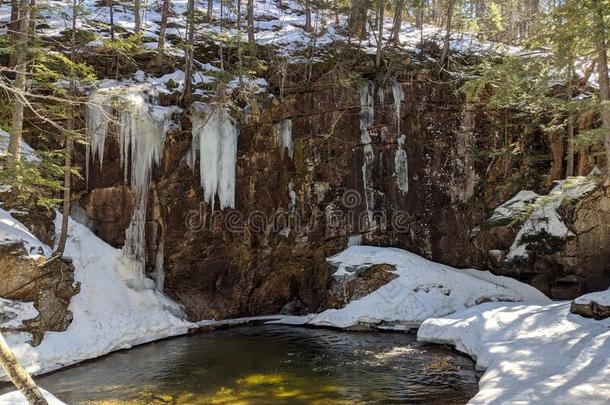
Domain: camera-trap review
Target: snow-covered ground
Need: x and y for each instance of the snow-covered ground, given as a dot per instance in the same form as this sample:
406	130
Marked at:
423	289
533	354
116	308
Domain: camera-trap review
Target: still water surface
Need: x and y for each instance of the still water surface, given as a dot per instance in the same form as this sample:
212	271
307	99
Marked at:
272	365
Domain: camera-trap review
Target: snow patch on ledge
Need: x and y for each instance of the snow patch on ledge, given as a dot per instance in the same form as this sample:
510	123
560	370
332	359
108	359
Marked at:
423	289
545	216
532	354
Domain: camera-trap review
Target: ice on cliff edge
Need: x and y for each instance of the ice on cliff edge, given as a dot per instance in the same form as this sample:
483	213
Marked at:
117	307
423	289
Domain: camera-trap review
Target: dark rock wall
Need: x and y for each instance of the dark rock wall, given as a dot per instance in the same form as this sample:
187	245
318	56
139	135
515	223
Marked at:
238	263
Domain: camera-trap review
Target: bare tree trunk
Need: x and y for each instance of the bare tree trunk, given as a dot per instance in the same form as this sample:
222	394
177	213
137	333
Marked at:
570	129
18	376
112	20
162	31
250	18
33	16
13	29
307	15
380	34
21	49
445	52
137	4
398	22
188	75
604	83
69	145
210	12
357	19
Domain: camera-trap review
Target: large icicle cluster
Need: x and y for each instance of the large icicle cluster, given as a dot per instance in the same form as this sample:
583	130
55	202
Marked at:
141	132
215	135
367	111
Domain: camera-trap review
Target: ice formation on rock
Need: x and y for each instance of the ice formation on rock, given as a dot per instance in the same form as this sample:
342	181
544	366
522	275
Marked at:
215	135
399	97
367	111
401	167
141	132
284	136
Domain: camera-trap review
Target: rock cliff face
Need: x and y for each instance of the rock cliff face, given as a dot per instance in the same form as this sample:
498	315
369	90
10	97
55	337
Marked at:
390	163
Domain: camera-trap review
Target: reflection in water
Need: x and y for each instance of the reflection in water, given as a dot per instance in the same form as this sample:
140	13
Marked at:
272	364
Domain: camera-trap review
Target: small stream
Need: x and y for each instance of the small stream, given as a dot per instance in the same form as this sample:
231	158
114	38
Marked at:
272	365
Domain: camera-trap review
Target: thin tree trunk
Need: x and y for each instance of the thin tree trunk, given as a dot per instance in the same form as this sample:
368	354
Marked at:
239	51
188	75
21	49
250	18
398	22
18	376
380	33
13	29
570	129
112	20
69	145
210	12
604	83
445	52
307	15
137	4
162	31
33	16
357	19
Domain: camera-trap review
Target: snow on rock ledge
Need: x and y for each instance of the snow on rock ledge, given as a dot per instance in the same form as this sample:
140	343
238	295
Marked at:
533	354
423	289
117	307
594	305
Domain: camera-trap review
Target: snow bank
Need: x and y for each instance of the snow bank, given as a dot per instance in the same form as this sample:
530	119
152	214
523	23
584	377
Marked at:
16	398
423	289
13	231
601	297
533	354
117	307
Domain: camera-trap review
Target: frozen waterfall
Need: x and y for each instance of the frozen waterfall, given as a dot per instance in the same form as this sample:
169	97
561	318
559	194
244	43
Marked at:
141	128
215	135
367	110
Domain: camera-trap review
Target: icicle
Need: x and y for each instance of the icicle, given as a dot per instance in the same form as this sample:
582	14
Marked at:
354	240
97	116
215	136
142	129
293	196
366	122
401	167
284	136
399	97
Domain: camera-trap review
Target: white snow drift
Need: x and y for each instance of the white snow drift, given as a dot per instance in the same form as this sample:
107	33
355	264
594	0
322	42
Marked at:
533	354
116	308
423	289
